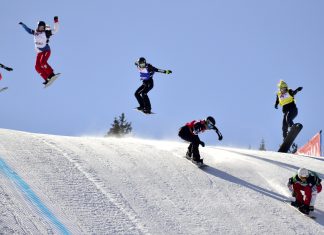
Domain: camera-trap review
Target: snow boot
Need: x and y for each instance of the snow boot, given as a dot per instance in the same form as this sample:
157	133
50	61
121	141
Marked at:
304	209
188	156
198	162
146	110
311	208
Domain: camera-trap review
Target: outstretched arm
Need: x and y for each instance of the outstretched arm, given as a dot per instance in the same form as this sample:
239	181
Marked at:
161	70
220	136
29	30
56	25
297	90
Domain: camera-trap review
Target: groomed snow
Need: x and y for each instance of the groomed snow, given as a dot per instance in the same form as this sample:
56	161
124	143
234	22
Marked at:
137	186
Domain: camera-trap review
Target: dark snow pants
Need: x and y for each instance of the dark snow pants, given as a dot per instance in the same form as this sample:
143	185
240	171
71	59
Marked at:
193	149
141	94
287	121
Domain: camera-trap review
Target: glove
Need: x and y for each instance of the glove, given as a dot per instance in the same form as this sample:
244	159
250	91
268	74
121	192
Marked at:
290	187
21	23
220	137
8	69
299	88
276	106
168	71
55	19
202	144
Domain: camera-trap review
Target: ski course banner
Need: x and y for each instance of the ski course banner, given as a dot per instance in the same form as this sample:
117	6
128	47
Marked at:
312	147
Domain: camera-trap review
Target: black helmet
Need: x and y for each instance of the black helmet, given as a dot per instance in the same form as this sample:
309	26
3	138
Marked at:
141	62
41	23
210	121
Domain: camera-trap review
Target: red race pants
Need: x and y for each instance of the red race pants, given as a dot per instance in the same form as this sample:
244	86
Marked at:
41	66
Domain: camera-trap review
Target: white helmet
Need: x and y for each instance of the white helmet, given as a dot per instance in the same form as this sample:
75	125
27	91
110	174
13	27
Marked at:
303	172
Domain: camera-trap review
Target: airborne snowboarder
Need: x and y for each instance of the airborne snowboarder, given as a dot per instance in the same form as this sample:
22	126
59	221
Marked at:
285	97
146	75
309	182
190	131
41	38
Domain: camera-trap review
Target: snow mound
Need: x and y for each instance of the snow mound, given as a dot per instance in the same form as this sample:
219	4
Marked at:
86	185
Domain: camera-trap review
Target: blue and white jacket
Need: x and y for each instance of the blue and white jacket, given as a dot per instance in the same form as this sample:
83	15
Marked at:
148	72
41	39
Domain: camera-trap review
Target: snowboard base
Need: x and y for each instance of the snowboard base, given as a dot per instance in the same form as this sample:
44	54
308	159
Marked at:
3	89
50	82
141	111
288	141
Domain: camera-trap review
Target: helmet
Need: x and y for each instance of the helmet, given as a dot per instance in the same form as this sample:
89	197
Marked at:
282	84
141	62
210	121
41	23
303	173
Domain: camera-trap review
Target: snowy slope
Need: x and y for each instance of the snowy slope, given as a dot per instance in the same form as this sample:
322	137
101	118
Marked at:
86	185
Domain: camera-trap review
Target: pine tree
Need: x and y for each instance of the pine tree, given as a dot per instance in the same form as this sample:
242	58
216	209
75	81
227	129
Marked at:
120	127
262	145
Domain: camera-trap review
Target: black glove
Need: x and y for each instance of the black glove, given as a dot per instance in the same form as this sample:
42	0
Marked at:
299	88
21	23
220	137
202	144
8	69
290	181
168	71
276	106
55	19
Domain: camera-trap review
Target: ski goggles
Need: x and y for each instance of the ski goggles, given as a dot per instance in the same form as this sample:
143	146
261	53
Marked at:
283	89
142	65
303	178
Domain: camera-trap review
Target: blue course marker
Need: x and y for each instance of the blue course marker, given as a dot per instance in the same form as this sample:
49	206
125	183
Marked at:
26	190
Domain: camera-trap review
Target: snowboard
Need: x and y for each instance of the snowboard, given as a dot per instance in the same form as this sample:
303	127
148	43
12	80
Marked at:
50	82
3	89
309	215
292	134
141	111
201	165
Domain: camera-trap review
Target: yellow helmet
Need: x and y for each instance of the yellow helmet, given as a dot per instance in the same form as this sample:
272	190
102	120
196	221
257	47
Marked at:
282	84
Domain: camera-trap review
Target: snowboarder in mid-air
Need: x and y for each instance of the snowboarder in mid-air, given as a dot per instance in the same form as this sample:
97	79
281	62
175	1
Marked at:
146	75
309	182
6	68
285	97
190	131
41	38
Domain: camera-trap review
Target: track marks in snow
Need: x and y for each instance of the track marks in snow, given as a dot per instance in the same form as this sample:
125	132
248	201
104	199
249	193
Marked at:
125	217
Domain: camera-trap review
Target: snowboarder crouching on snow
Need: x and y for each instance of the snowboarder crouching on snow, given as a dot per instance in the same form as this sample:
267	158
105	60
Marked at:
146	75
41	39
6	68
285	97
309	182
190	132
